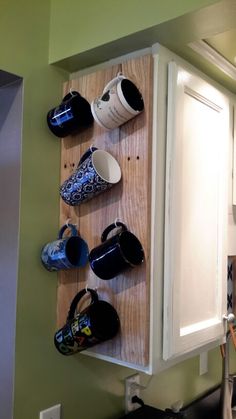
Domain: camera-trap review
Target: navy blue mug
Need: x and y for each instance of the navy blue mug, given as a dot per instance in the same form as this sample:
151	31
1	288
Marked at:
97	171
98	322
71	116
65	253
117	253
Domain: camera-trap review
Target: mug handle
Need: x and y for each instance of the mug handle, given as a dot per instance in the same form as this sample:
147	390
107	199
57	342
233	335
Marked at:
87	154
63	229
77	298
114	81
110	228
72	93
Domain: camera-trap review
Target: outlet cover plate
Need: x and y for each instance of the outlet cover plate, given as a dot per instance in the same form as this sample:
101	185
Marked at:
53	412
132	388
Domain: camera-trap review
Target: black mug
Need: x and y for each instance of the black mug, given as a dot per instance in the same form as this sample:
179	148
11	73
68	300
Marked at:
98	322
116	254
71	116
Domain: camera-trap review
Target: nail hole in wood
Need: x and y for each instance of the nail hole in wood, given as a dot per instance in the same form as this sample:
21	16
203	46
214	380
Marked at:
137	157
128	158
65	166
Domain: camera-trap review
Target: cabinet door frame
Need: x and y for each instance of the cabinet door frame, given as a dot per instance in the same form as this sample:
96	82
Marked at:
177	341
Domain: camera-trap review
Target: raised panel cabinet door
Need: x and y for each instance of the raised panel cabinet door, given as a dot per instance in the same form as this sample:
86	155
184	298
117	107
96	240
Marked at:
232	181
234	153
195	251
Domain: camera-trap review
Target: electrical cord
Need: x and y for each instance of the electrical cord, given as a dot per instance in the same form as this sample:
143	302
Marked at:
136	399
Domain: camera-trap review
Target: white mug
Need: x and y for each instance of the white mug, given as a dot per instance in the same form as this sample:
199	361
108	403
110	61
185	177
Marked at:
120	101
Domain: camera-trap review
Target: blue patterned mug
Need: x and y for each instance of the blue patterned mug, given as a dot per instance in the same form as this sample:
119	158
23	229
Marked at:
97	171
65	253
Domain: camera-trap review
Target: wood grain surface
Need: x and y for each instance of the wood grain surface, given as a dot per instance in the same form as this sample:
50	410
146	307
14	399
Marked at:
129	201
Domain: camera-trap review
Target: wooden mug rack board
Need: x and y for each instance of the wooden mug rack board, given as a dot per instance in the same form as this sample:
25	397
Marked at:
129	201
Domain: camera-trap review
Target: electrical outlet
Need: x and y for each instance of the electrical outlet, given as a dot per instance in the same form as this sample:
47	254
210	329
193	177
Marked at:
53	412
132	388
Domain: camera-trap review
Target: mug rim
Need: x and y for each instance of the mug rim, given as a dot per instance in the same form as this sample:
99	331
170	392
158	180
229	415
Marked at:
113	317
124	101
113	179
132	264
81	244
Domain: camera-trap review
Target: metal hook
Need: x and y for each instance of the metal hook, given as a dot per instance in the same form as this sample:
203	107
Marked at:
69	221
117	221
71	92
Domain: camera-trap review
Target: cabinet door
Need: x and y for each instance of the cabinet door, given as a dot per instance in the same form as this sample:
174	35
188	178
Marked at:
232	182
195	260
234	154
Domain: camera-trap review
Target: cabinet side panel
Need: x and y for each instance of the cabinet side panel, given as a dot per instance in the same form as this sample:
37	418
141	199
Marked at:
129	201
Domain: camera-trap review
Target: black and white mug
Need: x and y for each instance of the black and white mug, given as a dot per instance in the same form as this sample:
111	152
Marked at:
117	253
120	101
97	171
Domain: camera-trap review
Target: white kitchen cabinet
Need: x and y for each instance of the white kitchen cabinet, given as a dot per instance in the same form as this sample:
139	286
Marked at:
189	209
196	211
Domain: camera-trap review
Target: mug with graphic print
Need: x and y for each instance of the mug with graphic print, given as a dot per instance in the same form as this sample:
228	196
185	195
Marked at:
96	323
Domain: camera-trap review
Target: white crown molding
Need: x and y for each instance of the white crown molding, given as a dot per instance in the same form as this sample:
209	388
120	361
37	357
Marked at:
206	51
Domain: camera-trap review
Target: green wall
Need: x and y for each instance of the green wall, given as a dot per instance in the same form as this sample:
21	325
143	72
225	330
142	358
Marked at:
87	388
83	25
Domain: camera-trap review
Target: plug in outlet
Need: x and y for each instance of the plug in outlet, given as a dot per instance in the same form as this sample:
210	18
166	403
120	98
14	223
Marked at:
132	388
53	412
